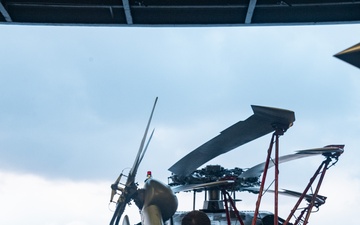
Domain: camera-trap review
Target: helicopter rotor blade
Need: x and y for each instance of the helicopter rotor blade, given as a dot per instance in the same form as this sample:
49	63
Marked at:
259	124
192	187
147	144
320	199
137	161
257	170
130	186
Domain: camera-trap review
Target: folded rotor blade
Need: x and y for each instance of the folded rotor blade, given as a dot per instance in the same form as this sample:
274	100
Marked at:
257	170
259	124
130	186
147	145
320	199
327	150
191	187
140	153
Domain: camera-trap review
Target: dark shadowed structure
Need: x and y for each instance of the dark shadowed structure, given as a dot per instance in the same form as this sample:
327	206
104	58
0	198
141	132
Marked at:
350	55
179	12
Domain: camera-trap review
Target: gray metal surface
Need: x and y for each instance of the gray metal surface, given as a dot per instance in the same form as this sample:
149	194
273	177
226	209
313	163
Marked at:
257	170
259	124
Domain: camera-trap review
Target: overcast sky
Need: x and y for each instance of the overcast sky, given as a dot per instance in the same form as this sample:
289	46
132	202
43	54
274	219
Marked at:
75	102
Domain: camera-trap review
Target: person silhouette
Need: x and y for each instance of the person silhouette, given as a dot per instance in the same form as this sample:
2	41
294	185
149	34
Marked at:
196	218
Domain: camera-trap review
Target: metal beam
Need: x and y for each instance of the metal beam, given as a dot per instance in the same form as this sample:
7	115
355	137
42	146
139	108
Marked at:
332	12
250	11
5	13
127	11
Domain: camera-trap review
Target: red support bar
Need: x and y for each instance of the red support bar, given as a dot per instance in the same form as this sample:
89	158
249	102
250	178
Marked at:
276	194
228	197
327	161
323	167
226	209
263	181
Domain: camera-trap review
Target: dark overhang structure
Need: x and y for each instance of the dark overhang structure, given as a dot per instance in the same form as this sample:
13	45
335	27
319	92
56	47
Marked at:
179	12
350	55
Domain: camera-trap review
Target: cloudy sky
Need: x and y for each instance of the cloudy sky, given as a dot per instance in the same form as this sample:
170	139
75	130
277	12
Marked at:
75	101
